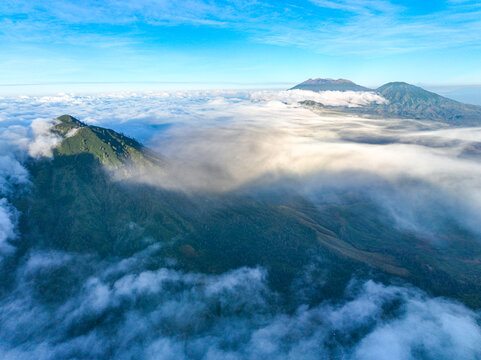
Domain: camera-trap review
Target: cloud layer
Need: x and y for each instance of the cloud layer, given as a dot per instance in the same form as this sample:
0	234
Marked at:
57	305
224	140
121	310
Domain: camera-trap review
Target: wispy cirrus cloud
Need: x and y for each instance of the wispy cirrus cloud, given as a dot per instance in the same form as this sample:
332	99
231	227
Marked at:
326	26
358	6
379	27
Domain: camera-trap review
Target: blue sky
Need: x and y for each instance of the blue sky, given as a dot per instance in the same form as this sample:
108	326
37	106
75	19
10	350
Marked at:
239	43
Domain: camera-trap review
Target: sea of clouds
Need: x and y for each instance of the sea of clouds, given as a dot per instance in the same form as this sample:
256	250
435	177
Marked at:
120	310
57	305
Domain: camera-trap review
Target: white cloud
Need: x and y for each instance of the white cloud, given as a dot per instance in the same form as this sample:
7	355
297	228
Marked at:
424	330
13	176
228	316
11	172
6	228
328	98
392	28
44	140
225	140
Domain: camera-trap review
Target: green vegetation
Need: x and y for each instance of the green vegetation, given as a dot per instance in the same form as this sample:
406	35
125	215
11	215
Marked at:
75	205
409	101
109	147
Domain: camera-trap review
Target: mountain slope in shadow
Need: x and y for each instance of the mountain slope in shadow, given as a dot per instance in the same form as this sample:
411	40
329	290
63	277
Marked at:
76	205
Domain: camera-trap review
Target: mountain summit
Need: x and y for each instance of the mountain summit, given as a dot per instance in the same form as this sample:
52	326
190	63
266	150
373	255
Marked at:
404	101
107	146
408	95
409	101
77	206
329	85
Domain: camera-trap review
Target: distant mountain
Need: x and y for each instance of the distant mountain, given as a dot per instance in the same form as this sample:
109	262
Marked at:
409	101
329	85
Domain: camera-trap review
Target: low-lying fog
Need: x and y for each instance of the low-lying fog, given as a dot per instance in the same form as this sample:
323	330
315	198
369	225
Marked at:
422	173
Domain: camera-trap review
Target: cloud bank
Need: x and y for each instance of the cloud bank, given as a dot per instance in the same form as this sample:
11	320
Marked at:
13	178
121	310
225	140
328	98
63	305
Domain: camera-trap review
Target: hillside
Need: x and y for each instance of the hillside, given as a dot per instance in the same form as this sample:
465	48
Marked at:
75	205
413	102
109	147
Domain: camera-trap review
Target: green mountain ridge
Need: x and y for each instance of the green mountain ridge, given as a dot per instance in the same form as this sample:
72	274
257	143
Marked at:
413	102
76	206
111	148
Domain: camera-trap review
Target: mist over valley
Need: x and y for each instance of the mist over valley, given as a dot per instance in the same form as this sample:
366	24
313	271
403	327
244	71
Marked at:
287	224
